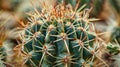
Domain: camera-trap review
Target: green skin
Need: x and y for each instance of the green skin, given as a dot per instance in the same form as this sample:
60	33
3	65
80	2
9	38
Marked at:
58	44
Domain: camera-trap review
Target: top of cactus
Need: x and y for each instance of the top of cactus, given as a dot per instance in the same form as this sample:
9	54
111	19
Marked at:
62	11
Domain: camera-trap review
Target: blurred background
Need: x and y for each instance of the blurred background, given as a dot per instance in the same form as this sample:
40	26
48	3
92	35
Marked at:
13	14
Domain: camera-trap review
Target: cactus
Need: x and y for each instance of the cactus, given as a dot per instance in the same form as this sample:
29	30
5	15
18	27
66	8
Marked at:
116	34
116	29
113	54
60	37
2	57
113	49
2	49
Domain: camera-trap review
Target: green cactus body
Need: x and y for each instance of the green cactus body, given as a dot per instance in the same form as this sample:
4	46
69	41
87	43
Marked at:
2	56
116	34
61	42
116	30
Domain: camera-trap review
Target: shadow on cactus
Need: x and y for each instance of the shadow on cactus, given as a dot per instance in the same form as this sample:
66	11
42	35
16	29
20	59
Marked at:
60	37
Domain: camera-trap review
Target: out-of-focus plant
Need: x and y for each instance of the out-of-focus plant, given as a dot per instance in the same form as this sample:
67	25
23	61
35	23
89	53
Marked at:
10	5
116	30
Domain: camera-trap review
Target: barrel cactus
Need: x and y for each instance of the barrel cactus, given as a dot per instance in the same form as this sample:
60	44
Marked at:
60	37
